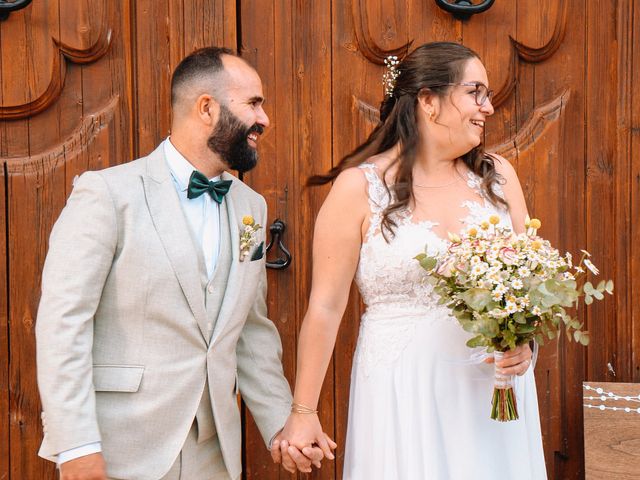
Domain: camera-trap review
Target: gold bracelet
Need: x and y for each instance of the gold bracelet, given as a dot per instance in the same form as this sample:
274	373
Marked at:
303	409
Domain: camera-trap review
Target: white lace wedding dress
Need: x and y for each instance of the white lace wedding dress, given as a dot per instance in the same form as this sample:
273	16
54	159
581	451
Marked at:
419	406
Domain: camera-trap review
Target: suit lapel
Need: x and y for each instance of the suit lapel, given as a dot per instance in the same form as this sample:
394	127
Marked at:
173	230
234	281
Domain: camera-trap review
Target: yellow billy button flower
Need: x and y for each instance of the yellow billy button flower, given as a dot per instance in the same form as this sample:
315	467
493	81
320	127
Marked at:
494	219
247	220
473	232
536	244
484	225
535	223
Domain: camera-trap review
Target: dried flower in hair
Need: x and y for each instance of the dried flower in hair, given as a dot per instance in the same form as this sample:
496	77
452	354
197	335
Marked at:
390	75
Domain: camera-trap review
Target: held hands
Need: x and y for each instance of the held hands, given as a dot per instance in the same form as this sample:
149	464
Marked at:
515	362
89	467
302	443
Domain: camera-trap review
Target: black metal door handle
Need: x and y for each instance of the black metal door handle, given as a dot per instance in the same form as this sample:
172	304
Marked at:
8	7
463	9
277	229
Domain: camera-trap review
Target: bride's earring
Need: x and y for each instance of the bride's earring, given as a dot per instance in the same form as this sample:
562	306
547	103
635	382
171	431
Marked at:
431	115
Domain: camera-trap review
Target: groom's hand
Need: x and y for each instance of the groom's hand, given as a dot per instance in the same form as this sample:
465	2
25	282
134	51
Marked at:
292	458
302	442
89	467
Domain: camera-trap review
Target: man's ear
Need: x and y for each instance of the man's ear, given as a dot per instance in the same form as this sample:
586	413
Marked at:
207	109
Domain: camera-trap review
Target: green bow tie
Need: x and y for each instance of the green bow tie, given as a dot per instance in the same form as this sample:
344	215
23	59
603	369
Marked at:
198	184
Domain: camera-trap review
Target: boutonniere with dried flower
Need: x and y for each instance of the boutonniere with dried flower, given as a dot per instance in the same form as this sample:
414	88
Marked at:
248	235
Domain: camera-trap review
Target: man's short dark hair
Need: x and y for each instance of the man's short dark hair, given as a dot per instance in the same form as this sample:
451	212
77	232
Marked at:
201	62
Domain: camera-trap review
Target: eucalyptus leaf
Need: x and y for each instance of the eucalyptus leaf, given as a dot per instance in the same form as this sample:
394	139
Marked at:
428	263
519	317
476	298
524	329
609	287
477	341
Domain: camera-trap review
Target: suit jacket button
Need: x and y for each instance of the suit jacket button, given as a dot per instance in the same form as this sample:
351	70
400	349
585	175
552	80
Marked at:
210	288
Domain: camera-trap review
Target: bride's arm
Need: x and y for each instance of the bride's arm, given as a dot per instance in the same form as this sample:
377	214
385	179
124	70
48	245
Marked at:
336	249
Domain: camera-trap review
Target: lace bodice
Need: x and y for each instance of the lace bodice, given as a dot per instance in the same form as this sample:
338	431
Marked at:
391	282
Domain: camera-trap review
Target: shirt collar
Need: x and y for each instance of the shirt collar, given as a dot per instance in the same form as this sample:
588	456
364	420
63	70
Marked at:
181	169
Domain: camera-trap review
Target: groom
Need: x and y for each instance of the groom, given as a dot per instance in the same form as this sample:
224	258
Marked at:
153	316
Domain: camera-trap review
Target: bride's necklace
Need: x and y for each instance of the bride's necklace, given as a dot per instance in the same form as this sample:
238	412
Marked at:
457	179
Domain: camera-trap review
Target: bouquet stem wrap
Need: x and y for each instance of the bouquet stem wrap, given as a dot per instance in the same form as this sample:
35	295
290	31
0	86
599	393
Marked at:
504	407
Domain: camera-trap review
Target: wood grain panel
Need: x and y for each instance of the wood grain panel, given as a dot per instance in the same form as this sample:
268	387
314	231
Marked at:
13	140
4	334
295	70
15	70
611	437
623	180
151	70
633	286
601	169
24	420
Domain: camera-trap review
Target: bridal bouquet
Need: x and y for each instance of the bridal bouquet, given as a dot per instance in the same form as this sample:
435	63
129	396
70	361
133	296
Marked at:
509	289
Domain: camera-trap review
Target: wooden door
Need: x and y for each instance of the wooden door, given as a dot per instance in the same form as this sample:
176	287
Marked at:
85	85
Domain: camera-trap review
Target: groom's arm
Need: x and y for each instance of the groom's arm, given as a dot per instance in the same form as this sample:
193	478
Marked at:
261	379
81	250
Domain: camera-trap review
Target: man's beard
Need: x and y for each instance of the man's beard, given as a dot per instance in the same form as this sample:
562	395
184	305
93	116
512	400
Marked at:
229	140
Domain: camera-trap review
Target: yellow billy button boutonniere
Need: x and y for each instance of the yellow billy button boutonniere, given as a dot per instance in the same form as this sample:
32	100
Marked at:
248	235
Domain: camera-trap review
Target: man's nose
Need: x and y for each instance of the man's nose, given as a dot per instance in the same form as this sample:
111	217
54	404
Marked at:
263	119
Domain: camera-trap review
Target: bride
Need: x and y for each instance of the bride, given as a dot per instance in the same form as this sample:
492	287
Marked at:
419	404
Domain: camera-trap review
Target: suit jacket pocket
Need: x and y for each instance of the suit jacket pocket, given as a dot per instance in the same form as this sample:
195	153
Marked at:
117	378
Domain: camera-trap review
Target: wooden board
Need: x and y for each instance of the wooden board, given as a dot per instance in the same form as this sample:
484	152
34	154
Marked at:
611	437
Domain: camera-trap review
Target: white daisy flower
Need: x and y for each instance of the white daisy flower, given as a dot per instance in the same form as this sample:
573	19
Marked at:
524	272
511	307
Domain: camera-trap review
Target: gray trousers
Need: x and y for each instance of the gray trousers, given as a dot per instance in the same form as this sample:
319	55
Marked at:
198	461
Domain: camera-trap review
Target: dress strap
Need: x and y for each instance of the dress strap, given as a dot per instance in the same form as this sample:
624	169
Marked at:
377	195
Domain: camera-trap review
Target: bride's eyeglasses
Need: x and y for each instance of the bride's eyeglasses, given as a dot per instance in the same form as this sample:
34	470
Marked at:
482	93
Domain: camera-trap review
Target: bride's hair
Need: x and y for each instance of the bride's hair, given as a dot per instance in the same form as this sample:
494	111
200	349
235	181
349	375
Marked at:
428	65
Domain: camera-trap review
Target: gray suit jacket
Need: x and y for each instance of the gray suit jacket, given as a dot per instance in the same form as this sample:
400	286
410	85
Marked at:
122	345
